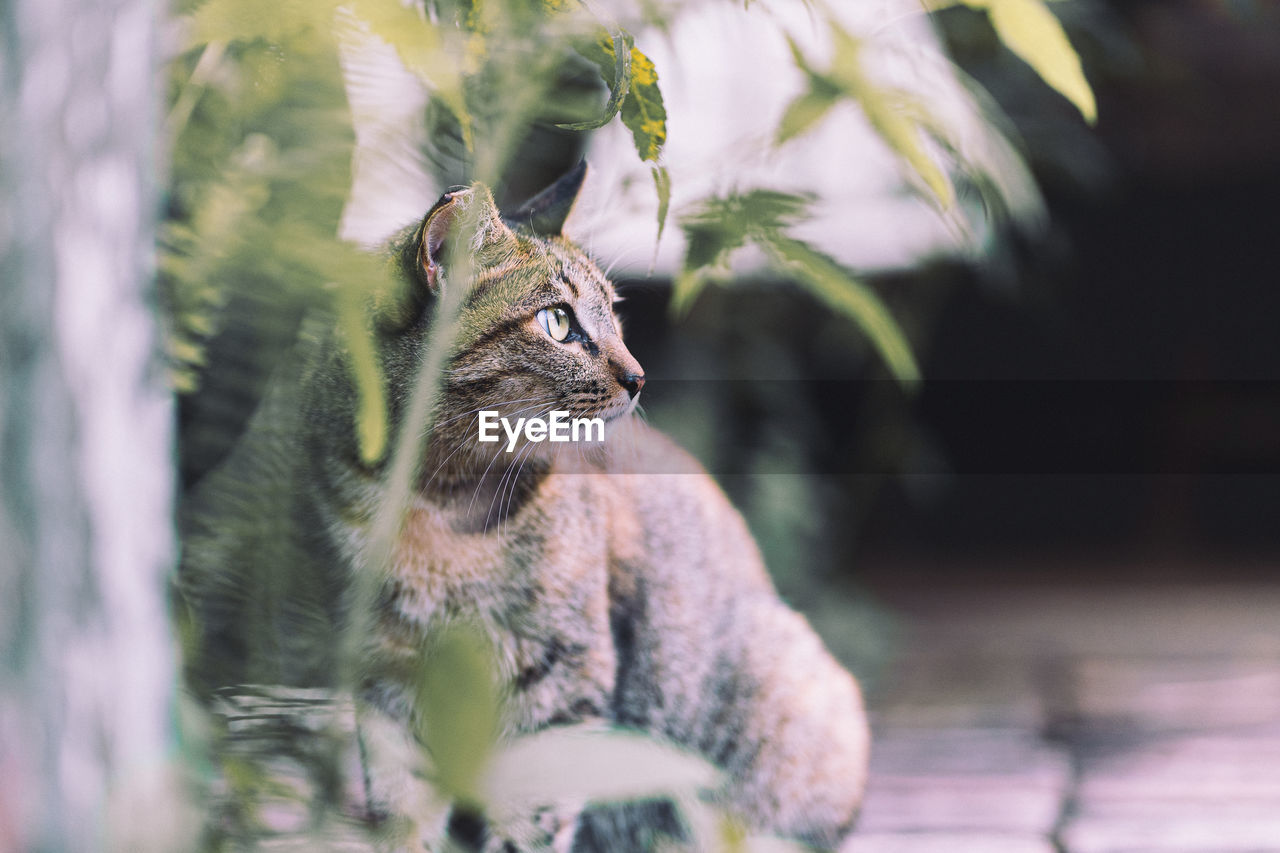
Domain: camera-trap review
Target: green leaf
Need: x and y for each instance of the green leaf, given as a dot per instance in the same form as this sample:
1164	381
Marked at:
827	280
458	711
611	52
246	20
801	61
371	406
721	226
685	289
1031	31
662	182
889	111
803	113
883	108
709	240
359	278
643	112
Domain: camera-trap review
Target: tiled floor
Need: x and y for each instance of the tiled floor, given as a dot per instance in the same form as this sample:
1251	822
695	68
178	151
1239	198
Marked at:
1080	719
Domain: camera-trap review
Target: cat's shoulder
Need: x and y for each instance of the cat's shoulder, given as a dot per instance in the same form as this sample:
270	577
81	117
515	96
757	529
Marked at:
637	448
675	511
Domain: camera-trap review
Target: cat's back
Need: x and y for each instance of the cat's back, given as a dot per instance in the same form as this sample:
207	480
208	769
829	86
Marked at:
704	644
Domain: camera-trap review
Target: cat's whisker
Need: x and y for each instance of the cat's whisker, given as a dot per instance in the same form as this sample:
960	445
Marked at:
522	452
464	440
500	451
508	481
631	449
512	493
626	255
496	500
480	483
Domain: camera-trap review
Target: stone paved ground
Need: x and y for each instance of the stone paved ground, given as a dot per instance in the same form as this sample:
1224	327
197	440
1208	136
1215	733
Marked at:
1079	719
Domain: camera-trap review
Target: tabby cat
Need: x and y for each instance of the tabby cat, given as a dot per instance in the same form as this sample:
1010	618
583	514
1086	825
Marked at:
618	584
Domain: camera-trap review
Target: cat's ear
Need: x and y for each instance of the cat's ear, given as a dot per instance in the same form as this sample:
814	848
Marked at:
546	212
464	219
429	247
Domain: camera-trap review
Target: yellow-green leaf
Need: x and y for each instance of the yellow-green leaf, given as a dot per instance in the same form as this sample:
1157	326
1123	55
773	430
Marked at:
733	835
611	52
823	277
803	113
188	351
458	711
245	20
685	289
371	406
1031	31
360	278
183	381
903	136
883	107
643	112
662	182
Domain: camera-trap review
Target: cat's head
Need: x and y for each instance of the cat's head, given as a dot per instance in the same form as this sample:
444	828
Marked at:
536	331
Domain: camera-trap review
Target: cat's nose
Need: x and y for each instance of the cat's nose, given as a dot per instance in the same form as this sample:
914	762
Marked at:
633	382
627	371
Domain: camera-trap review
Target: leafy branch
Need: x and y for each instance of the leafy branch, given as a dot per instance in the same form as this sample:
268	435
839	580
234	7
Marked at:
763	218
890	112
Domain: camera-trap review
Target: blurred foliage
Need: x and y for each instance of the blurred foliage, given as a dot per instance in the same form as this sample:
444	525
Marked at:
458	711
762	218
261	144
283	753
1030	30
893	114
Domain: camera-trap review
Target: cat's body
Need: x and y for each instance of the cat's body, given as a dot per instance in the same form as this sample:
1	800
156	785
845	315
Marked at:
617	585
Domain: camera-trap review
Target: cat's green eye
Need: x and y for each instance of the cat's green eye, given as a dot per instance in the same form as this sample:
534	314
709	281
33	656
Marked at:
555	322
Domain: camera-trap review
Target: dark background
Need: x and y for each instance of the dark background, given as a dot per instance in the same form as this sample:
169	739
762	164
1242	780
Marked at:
1107	390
